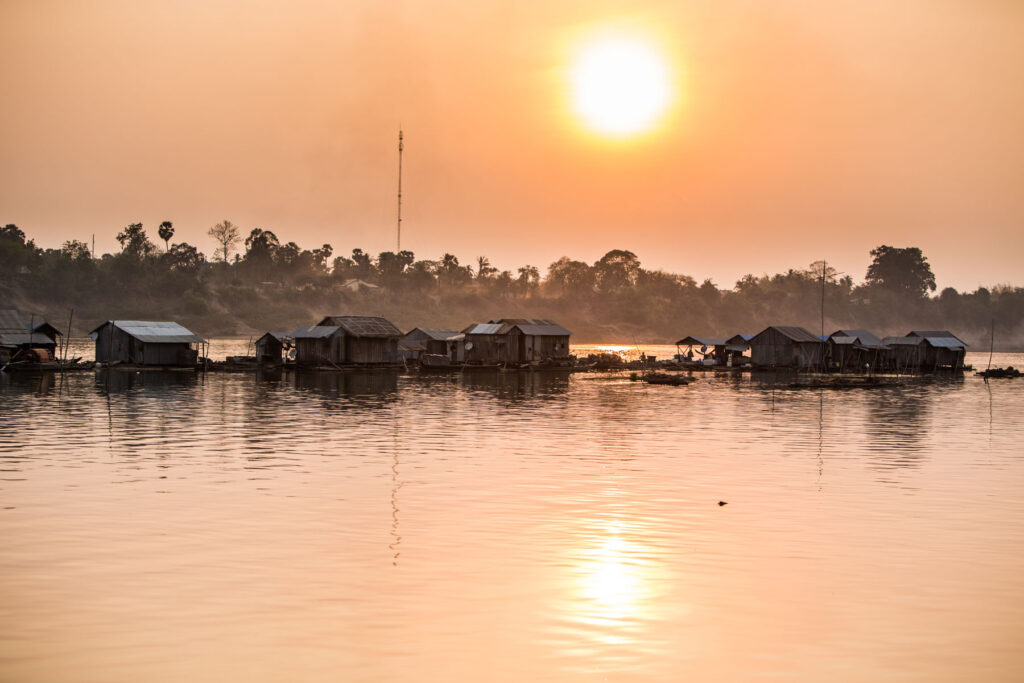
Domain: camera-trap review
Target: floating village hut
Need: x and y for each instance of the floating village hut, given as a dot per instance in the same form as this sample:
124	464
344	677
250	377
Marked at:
425	340
34	340
141	342
903	354
515	341
271	346
708	348
715	350
852	350
786	346
348	340
941	349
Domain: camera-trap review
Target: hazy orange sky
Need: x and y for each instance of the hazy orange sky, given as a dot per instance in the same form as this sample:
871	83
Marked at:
802	129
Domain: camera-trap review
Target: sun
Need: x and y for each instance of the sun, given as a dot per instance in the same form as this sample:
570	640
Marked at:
620	86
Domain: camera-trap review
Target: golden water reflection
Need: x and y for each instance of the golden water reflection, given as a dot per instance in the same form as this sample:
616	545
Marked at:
615	582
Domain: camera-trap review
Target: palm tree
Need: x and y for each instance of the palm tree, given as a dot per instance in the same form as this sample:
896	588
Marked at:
166	232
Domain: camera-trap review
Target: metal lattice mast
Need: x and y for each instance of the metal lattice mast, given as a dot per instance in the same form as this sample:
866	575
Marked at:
401	147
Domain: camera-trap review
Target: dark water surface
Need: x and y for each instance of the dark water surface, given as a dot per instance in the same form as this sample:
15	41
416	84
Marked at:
170	527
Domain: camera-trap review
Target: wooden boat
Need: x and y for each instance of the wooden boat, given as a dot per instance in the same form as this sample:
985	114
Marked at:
846	383
666	378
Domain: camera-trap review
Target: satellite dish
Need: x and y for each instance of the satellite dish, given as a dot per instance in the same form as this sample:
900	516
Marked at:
469	346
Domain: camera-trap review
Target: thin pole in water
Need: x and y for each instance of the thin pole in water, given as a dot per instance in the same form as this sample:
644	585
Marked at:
401	147
991	343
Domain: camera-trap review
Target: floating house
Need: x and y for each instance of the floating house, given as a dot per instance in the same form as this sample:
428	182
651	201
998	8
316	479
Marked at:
33	340
515	341
715	350
853	350
425	340
941	349
786	346
348	340
271	346
141	342
903	354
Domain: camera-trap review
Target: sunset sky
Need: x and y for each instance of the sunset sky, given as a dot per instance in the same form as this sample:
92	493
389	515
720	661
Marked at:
785	132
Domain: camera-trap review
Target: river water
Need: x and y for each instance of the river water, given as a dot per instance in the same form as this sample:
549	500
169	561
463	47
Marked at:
508	527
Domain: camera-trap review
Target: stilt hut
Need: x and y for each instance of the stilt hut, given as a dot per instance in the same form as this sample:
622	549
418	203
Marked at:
855	350
271	346
942	349
142	342
786	346
24	340
903	354
516	341
368	340
425	340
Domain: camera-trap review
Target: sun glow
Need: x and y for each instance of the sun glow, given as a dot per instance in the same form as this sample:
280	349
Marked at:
621	86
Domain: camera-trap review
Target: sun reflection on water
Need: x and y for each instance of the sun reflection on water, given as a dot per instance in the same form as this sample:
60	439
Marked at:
613	589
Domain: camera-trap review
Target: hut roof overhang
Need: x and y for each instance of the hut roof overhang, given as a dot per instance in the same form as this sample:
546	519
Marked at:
315	331
152	332
15	339
702	341
536	327
795	334
279	336
483	328
945	342
362	325
935	334
903	341
435	333
866	338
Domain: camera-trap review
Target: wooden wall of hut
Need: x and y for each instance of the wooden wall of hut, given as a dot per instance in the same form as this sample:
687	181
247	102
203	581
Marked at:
771	348
371	350
320	350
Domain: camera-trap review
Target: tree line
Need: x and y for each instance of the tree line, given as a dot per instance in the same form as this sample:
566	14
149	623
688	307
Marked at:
256	281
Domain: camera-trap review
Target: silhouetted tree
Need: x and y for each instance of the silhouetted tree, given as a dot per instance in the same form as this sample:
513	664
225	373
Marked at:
616	270
227	236
901	271
134	242
166	232
184	258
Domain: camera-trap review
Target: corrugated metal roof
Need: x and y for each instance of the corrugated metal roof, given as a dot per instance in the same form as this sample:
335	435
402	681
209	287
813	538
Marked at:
842	340
547	329
703	341
24	339
279	336
797	334
935	334
363	325
314	331
435	333
945	342
484	328
736	338
866	338
902	341
154	332
10	321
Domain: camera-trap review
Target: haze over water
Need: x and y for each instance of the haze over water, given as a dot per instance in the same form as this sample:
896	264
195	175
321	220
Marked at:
168	527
